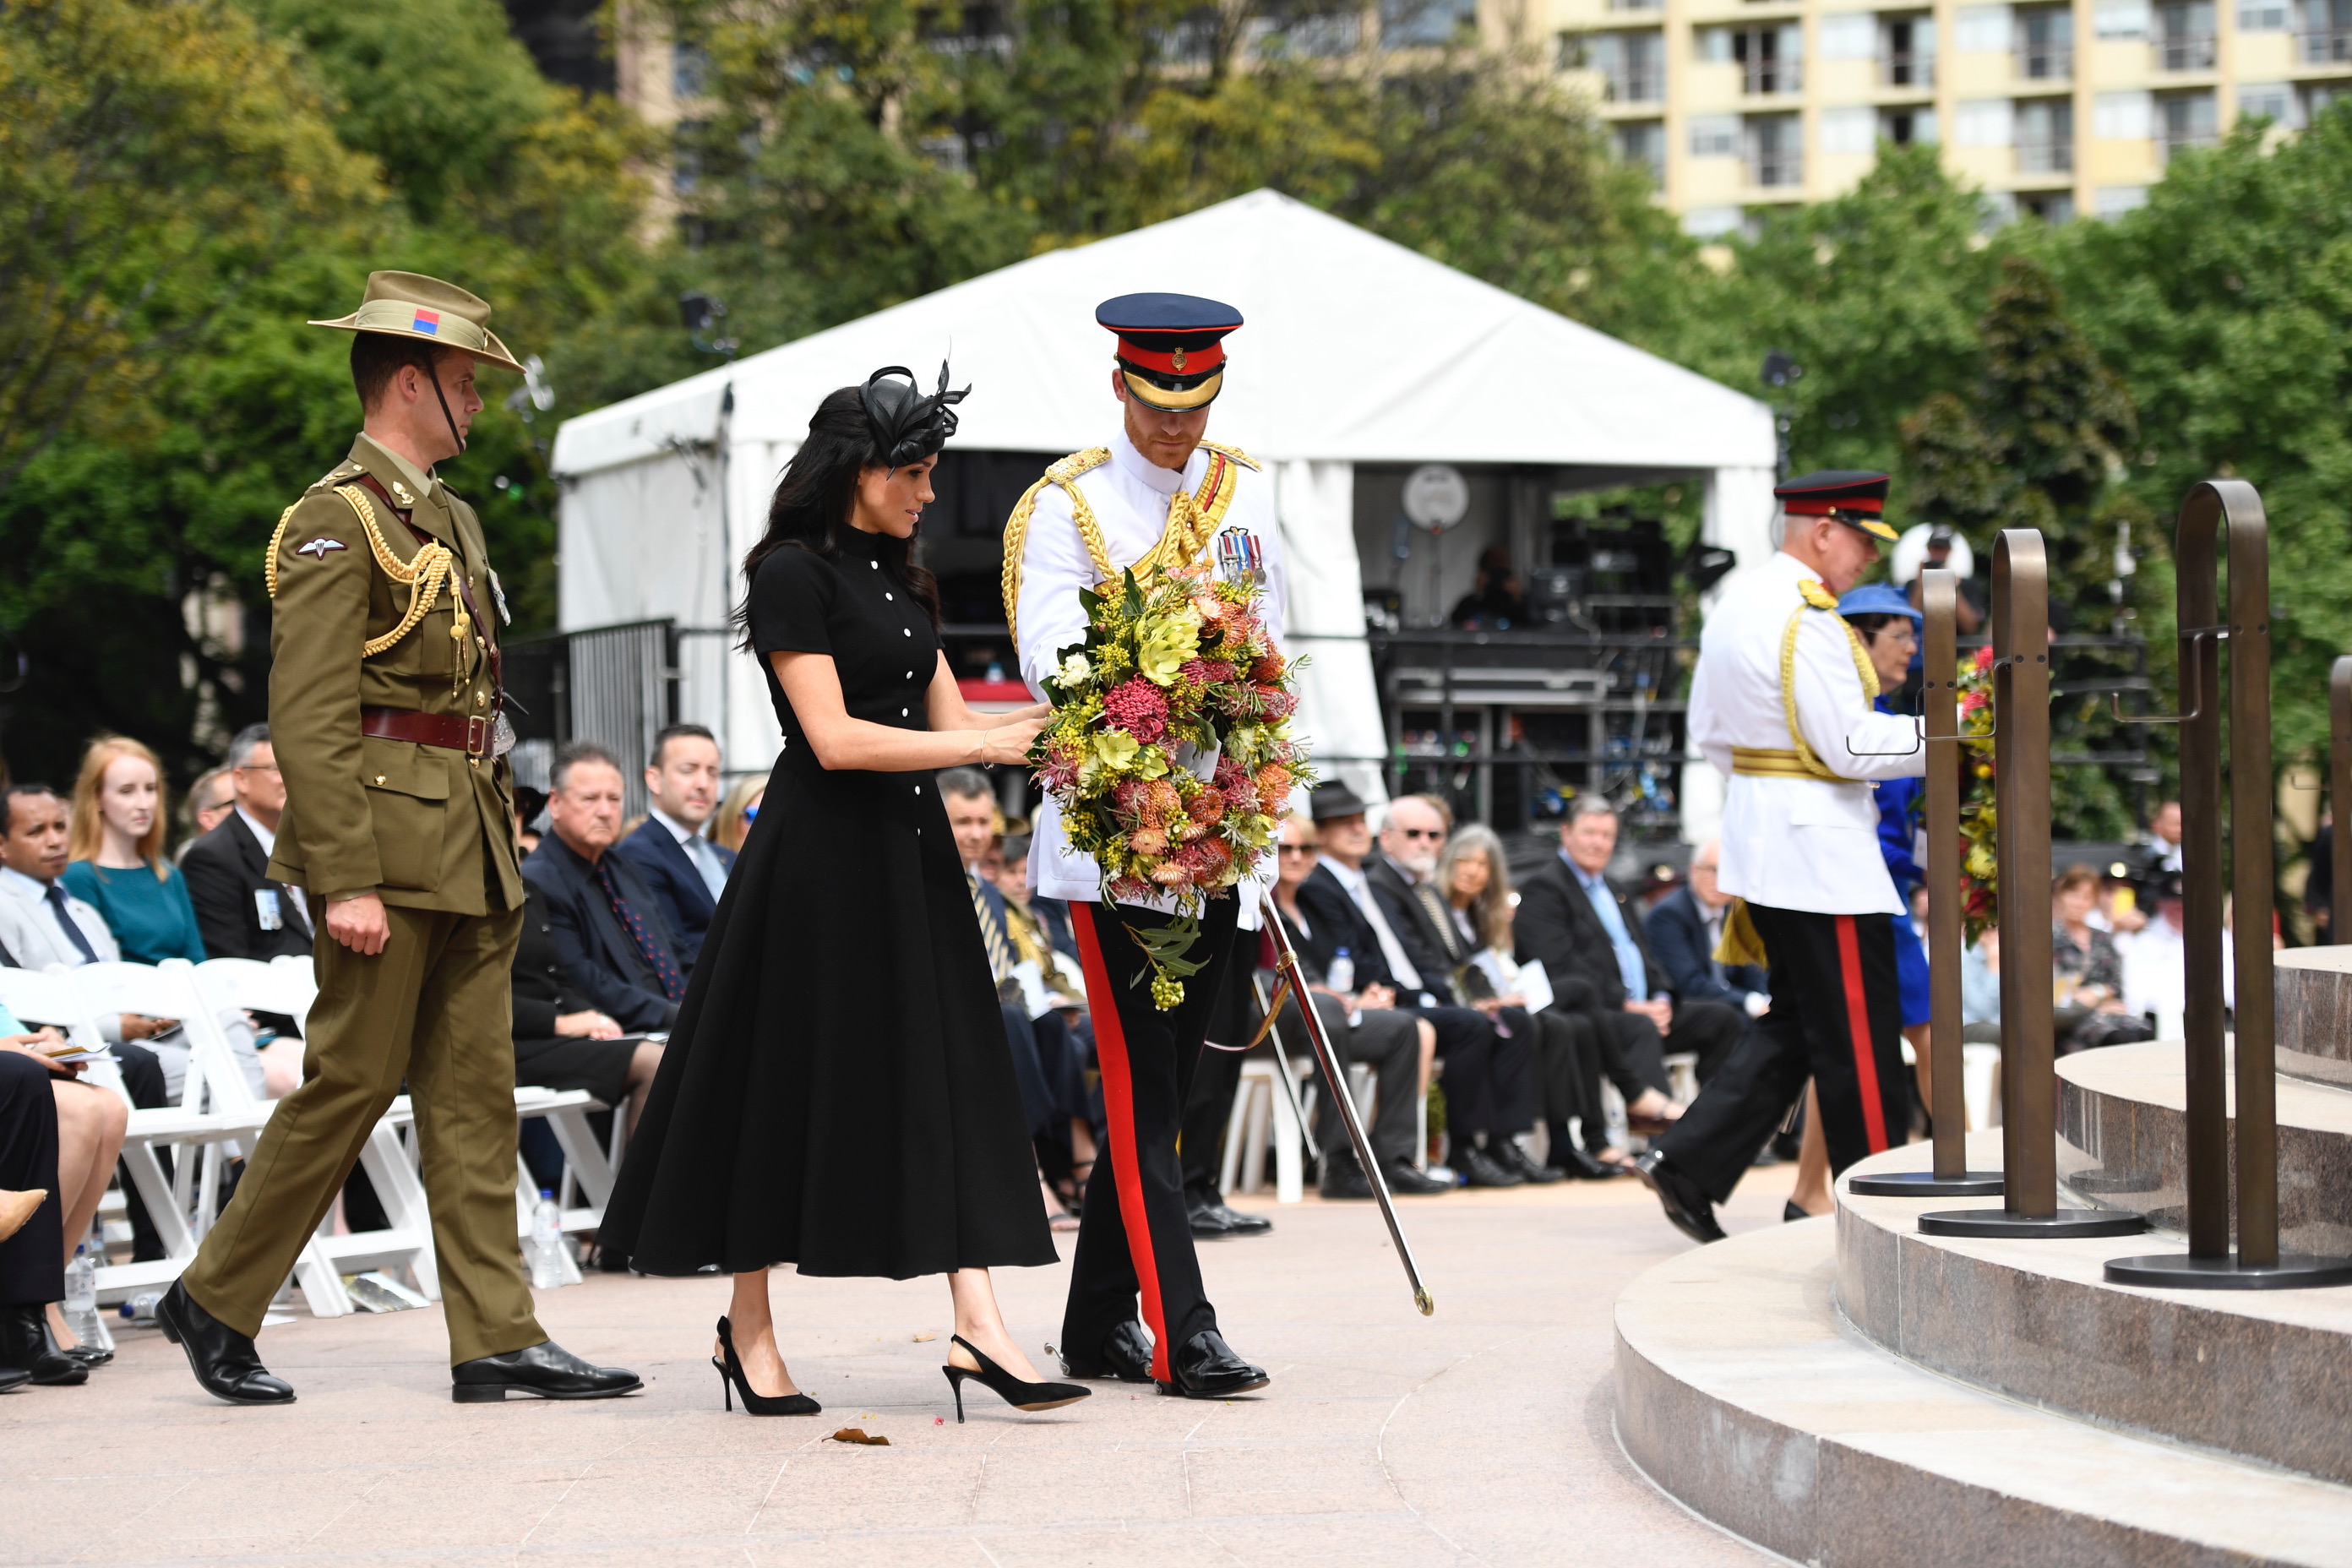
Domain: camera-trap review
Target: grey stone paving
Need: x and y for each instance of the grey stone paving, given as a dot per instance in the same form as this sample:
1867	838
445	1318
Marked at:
1480	1435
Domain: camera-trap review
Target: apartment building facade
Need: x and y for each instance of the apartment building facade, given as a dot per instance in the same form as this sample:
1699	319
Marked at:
2055	109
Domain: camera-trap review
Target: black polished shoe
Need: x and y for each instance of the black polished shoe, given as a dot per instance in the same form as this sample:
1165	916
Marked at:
1209	1222
224	1361
1207	1368
545	1369
1484	1171
1413	1183
13	1378
1511	1157
25	1345
1240	1223
1690	1210
1344	1179
1571	1161
1125	1354
1790	1213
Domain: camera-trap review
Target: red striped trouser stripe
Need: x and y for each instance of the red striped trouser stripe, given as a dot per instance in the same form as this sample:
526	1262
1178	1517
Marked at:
1118	1109
1857	1028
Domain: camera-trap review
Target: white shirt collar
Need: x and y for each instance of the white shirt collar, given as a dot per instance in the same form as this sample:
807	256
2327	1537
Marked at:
1351	878
268	836
1143	470
24	886
677	829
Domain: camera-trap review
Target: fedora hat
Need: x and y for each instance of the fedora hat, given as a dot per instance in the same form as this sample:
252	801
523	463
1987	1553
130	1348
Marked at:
411	305
1328	801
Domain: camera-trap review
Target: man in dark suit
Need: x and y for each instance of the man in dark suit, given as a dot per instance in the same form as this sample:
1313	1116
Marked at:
1485	1072
239	910
1588	938
685	870
609	934
1683	928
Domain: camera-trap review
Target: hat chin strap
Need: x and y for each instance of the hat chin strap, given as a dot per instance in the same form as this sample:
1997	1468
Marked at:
433	373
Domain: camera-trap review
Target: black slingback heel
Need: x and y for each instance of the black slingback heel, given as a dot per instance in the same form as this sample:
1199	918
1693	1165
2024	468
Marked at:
1004	1385
731	1381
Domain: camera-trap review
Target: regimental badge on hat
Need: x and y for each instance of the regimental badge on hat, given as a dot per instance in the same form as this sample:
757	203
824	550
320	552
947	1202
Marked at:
1855	496
1172	348
411	305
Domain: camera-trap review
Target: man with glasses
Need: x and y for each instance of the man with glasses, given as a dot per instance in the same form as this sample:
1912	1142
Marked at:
241	913
1684	929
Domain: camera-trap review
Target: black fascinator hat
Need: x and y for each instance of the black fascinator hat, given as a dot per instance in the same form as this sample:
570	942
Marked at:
909	426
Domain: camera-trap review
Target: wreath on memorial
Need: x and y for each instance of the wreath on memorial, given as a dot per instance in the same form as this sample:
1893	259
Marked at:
1174	670
1979	868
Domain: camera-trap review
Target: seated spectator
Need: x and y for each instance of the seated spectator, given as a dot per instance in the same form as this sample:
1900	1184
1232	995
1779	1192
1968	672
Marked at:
116	855
2156	962
2088	970
1006	867
560	1040
65	1136
1489	1072
1980	990
1495	601
736	813
686	870
1051	917
529	805
241	912
1590	940
1364	1025
1684	929
209	800
616	952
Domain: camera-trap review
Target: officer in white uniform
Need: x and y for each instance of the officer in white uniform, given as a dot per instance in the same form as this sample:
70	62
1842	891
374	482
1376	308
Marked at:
1156	497
1782	703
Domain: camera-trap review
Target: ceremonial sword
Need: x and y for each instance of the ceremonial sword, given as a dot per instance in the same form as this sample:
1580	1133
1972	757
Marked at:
1335	1078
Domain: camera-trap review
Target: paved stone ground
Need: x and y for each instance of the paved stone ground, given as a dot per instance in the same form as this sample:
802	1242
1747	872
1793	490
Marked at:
1480	1435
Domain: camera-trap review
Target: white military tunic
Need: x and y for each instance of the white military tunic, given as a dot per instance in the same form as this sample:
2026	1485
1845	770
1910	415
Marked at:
1129	495
1808	844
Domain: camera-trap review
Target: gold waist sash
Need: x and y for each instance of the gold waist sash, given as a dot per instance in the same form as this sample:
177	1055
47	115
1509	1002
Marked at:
1767	763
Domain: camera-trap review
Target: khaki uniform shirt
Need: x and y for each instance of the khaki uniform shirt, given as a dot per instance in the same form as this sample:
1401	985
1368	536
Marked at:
420	827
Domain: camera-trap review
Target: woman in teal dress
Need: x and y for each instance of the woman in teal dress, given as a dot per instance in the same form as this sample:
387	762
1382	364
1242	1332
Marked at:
118	864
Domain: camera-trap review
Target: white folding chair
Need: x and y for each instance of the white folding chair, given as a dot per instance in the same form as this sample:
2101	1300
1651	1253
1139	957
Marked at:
1260	1107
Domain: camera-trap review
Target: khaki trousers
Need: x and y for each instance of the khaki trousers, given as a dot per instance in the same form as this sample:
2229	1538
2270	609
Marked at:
436	1008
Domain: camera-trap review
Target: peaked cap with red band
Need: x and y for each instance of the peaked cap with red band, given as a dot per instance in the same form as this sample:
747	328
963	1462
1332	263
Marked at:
1855	496
1171	347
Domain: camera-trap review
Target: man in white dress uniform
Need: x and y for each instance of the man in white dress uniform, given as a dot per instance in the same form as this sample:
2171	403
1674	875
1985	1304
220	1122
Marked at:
1782	703
1157	496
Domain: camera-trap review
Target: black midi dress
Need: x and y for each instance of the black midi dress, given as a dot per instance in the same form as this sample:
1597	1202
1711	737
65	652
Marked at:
838	1092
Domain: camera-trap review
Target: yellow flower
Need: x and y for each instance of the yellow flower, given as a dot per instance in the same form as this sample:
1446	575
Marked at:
1115	749
1166	643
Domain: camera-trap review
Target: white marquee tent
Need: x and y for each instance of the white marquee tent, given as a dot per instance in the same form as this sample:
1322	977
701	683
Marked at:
1355	350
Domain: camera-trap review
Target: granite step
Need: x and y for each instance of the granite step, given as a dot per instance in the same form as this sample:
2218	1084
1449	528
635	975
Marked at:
2314	987
2263	1376
1743	1392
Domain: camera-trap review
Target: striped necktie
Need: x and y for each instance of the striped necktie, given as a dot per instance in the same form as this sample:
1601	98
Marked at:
992	932
655	954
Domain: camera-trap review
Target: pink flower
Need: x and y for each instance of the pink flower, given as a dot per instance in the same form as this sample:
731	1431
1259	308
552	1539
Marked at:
1972	700
1207	673
1136	706
1984	658
1128	889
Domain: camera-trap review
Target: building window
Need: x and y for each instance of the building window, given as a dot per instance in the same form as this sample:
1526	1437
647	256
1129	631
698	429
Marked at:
2121	18
1637	5
1632	66
1846	35
2045	133
2272	101
686	155
1981	30
1906	51
2326	37
1712	223
2184	36
2123	116
1908	127
2045	43
1643	144
2050	206
1775	150
689	70
1769	57
1849	130
2262	15
2319	97
2185	119
2113	201
1406	24
1984	123
1714	135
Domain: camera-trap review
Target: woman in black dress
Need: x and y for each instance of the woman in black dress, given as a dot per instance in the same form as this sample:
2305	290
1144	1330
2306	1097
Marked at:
838	1092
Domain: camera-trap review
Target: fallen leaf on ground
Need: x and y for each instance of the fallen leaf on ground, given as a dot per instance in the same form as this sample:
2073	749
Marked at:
927	1336
857	1434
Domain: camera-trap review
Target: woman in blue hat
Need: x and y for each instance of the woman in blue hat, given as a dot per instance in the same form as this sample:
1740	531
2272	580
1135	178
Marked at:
1889	627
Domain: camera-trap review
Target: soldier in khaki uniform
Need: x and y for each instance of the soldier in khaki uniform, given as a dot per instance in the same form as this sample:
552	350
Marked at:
385	708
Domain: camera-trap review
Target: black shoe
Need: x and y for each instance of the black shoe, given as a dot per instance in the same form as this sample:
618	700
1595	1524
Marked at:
1484	1171
1212	1221
1571	1161
13	1378
25	1344
1790	1213
1125	1355
1414	1184
1005	1386
545	1369
732	1381
1691	1211
85	1355
1511	1157
224	1361
1344	1179
1207	1368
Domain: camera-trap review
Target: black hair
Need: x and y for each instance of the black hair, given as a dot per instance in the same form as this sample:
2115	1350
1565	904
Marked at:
377	357
1869	624
679	732
819	489
9	803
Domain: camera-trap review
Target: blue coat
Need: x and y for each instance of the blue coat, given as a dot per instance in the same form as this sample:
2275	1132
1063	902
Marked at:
676	885
597	956
1678	939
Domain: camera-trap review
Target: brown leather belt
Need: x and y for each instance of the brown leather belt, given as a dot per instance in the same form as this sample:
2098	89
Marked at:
451	732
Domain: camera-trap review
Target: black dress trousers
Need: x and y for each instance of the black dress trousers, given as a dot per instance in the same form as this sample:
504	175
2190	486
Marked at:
1837	1018
32	1261
1135	1234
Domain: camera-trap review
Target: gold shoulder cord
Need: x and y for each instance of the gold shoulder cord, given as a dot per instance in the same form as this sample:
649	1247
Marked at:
1805	753
1192	519
423	575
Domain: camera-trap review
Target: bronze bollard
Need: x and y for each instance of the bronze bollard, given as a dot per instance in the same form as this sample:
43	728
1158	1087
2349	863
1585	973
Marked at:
1949	1177
2213	506
2028	1134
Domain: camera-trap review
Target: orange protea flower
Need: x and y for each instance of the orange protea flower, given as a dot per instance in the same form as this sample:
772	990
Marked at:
1148	841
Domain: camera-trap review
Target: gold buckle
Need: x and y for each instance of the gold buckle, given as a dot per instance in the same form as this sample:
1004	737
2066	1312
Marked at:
477	736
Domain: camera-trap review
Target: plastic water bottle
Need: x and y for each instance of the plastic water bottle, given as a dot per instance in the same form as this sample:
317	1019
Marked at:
1339	974
140	1310
546	1242
80	1305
